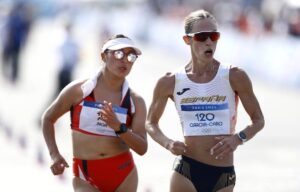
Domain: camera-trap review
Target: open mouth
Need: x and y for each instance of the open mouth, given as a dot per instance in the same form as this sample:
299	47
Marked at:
209	51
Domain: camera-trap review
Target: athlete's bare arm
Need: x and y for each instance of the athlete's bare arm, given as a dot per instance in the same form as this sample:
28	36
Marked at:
242	85
137	138
162	92
68	96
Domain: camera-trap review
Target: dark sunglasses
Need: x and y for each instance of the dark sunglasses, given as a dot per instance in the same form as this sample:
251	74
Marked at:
203	36
119	54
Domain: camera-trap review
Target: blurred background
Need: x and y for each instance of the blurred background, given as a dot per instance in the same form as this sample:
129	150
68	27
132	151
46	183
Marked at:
46	44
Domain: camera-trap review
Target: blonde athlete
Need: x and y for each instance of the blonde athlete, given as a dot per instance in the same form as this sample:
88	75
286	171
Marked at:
107	120
206	94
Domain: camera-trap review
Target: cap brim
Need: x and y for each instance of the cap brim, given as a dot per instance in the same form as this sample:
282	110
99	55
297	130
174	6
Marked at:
122	46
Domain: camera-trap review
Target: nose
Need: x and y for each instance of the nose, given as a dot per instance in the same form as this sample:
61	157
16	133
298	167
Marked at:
124	59
208	41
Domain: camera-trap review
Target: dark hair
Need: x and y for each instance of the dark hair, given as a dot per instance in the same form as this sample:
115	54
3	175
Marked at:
117	36
195	16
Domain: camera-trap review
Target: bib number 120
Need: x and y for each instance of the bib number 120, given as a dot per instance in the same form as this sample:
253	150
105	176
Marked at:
205	116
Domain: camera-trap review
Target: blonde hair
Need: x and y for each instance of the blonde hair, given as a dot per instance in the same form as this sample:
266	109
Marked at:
195	16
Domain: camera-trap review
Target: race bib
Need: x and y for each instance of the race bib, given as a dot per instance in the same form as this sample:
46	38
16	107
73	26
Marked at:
206	119
89	118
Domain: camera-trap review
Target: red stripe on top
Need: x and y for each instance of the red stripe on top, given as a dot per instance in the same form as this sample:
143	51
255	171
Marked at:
75	114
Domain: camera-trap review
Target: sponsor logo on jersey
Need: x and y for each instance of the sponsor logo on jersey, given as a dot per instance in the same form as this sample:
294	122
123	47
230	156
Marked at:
213	98
183	91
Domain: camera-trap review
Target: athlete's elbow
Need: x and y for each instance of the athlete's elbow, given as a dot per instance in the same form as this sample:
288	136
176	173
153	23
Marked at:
147	126
261	124
141	153
151	128
142	150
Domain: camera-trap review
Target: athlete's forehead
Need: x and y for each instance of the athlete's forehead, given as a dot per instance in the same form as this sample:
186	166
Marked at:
206	24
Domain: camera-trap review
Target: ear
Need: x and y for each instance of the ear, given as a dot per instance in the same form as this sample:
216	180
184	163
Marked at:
103	57
187	40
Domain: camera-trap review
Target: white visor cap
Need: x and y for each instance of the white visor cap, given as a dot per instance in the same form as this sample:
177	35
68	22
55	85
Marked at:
120	43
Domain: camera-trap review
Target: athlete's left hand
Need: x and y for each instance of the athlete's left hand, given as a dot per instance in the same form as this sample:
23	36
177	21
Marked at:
58	164
224	146
176	147
107	115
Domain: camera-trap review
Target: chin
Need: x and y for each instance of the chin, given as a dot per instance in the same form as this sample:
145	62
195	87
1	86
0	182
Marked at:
122	74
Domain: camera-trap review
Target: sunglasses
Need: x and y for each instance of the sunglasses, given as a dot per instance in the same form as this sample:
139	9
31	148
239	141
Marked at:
203	36
119	54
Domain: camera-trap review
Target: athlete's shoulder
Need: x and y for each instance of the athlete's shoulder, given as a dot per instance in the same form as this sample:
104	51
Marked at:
73	90
167	79
137	98
237	73
169	76
75	85
239	78
135	95
78	82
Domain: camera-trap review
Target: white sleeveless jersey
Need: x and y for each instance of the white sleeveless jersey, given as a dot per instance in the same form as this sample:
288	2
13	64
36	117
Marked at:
206	108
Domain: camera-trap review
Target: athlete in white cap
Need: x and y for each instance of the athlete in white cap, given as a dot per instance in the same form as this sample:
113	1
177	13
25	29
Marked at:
107	122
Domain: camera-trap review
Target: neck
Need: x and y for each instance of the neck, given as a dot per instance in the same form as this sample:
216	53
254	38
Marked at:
110	81
201	67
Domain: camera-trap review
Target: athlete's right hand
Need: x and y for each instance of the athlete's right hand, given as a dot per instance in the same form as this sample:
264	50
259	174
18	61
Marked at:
59	164
176	147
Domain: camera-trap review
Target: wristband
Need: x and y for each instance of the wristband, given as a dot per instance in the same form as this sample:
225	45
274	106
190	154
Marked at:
123	129
242	136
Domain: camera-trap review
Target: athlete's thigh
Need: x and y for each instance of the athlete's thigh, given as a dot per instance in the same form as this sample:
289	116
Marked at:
180	183
82	186
130	182
227	189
